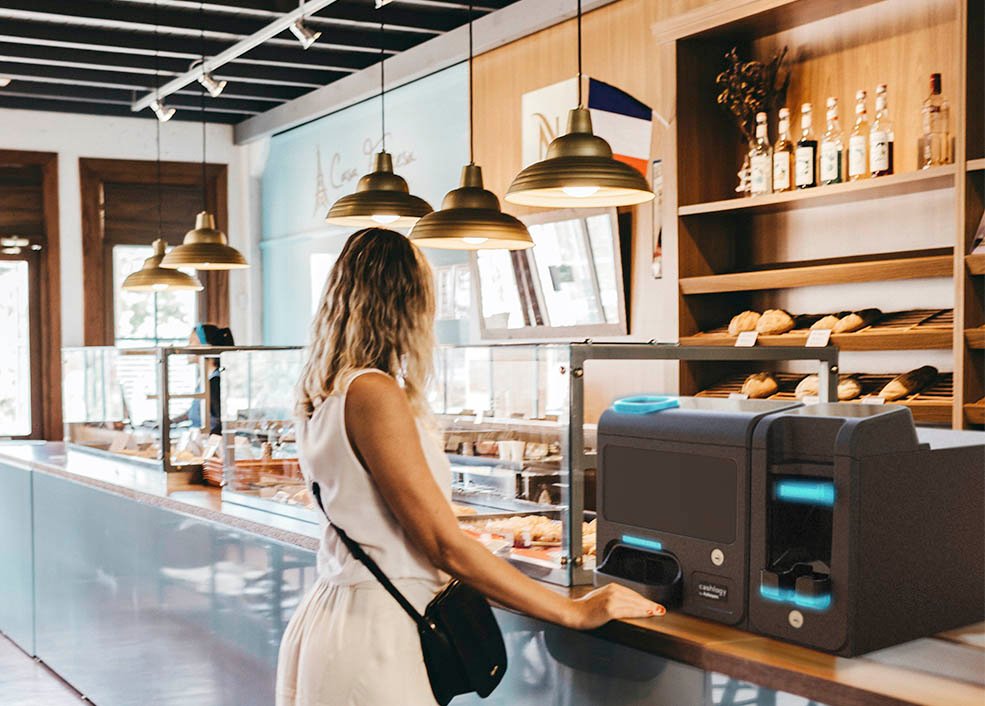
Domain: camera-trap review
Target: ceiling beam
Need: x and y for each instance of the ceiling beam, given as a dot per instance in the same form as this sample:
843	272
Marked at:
55	104
187	47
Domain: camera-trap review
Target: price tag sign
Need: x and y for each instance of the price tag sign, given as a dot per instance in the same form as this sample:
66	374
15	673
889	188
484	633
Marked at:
746	339
874	400
737	396
479	416
810	399
818	338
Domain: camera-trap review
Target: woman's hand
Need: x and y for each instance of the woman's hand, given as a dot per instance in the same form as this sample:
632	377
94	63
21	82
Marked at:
611	602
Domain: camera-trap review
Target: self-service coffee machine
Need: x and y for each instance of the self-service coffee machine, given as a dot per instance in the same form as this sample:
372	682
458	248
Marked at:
865	531
673	501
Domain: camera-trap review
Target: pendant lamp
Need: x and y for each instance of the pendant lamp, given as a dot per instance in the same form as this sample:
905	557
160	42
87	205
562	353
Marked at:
579	170
470	217
381	197
151	277
204	247
154	278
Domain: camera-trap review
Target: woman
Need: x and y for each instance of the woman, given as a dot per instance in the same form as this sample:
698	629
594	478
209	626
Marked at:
363	436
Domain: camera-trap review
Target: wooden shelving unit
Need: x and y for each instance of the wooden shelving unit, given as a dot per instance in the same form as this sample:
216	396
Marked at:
834	194
782	250
905	330
974	413
820	274
975	337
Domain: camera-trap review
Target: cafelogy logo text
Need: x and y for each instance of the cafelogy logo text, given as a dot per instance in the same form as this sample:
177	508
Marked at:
712	591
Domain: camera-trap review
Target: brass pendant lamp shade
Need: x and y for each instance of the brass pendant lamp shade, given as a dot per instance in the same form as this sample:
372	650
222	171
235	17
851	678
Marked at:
381	198
154	278
579	172
470	219
205	248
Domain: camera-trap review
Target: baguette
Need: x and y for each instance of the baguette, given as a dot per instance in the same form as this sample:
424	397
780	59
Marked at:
826	322
774	321
857	320
848	387
759	385
908	383
746	321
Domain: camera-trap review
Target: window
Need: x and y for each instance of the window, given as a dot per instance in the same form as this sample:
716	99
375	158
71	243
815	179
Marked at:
148	318
15	352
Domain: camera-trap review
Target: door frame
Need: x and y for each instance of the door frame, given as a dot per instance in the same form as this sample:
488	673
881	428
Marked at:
46	356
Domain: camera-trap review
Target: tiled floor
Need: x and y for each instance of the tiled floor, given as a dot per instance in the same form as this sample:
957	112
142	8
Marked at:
24	682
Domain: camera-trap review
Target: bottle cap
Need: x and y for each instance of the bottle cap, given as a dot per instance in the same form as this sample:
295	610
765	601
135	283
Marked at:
832	102
860	94
881	88
806	108
784	113
760	117
935	83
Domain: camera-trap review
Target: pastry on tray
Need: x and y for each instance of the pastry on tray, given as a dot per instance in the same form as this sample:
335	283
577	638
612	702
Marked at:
825	322
909	383
759	385
848	387
774	321
746	321
857	320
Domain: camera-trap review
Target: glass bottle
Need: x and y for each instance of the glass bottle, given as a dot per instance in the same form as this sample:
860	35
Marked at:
934	145
805	167
881	137
832	147
858	141
760	160
783	162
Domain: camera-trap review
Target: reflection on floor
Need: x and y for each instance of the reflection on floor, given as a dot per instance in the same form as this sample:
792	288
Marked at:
24	682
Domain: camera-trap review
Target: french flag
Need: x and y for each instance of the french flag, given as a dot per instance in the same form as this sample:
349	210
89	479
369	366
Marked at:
622	121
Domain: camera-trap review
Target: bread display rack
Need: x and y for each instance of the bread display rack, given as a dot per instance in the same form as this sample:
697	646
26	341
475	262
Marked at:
914	228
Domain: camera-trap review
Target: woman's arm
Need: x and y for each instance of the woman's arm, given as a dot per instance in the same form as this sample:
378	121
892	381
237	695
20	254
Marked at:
381	428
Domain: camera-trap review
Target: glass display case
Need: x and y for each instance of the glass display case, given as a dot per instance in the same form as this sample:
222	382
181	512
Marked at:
117	401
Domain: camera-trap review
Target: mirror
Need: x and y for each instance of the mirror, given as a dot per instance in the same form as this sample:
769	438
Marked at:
569	285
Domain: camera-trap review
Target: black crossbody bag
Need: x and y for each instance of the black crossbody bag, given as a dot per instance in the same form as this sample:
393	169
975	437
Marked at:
460	639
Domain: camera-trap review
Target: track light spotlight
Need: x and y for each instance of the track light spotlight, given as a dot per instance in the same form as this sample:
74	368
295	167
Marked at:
4	81
306	36
211	85
163	112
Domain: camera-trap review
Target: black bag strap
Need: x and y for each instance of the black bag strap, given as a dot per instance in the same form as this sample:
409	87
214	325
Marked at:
374	568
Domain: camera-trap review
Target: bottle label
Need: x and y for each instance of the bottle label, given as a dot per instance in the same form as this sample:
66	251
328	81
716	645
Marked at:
830	161
856	156
804	166
759	174
879	150
781	171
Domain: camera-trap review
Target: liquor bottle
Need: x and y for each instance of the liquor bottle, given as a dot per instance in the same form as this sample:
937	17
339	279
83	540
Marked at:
805	167
832	147
934	145
760	159
881	137
783	155
858	141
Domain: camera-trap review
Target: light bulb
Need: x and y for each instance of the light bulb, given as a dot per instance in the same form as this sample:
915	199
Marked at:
384	219
475	241
159	287
580	192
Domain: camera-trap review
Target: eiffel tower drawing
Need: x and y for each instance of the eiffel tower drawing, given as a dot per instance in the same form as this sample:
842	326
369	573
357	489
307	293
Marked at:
321	193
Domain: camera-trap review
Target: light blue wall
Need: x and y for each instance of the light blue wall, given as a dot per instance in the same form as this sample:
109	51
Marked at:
427	133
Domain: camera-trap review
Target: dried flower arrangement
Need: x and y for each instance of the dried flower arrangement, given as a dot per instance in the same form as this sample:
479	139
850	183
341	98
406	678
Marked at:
750	87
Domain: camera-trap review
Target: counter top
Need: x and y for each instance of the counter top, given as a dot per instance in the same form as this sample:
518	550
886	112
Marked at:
946	670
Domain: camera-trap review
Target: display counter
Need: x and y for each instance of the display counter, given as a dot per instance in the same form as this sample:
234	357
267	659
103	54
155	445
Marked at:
136	588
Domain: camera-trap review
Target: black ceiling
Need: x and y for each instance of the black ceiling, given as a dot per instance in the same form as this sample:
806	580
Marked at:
96	56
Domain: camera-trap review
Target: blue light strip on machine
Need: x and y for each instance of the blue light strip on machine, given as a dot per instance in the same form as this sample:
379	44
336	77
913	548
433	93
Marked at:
785	595
806	492
642	543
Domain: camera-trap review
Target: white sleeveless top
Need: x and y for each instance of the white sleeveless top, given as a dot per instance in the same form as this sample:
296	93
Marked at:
353	502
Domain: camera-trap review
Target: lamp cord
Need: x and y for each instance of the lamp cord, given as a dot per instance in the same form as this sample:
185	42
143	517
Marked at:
471	93
201	16
382	90
579	56
157	123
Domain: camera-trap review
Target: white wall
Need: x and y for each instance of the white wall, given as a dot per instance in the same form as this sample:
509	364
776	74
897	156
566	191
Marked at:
74	136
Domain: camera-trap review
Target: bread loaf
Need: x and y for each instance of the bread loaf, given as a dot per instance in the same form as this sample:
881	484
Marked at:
759	385
827	322
746	321
909	383
857	320
774	321
848	387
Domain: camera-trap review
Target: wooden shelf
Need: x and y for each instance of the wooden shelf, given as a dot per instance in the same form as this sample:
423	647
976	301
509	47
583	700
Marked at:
975	337
975	263
880	187
931	405
975	413
833	272
975	165
905	330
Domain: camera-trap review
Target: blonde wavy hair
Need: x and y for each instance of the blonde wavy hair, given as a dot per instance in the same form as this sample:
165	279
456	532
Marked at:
376	311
